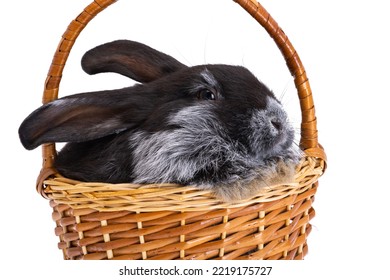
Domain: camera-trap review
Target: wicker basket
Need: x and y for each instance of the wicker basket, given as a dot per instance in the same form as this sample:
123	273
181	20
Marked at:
128	221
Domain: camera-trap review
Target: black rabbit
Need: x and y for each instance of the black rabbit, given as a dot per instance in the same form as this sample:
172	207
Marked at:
214	126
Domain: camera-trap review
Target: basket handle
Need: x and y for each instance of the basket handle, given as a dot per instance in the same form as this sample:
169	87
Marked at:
309	134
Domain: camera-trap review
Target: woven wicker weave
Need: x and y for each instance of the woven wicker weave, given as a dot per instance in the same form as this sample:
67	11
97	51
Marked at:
128	221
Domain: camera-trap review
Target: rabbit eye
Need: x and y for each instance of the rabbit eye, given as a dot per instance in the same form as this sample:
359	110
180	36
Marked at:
206	94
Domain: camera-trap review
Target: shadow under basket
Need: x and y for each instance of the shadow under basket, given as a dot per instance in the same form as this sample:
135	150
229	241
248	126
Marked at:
167	221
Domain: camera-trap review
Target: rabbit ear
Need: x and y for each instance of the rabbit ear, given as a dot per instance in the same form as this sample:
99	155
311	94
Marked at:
79	118
131	59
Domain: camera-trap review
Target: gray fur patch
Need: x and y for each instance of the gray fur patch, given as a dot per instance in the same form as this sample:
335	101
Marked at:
208	81
176	155
209	78
201	142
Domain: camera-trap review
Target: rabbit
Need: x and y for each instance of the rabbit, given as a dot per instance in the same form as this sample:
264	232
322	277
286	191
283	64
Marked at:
213	126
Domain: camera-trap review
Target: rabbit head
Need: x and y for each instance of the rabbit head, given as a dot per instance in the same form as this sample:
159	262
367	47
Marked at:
214	126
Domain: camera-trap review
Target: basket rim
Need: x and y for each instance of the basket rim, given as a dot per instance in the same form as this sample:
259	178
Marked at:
106	197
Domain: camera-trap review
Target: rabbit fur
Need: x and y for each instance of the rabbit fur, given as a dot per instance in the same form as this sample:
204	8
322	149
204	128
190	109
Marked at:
213	126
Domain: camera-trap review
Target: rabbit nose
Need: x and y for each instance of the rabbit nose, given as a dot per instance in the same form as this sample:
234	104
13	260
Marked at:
276	123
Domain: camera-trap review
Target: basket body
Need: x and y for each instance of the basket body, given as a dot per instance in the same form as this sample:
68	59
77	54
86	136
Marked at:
273	230
128	221
103	221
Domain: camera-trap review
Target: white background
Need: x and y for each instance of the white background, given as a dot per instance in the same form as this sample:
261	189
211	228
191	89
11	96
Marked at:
344	46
